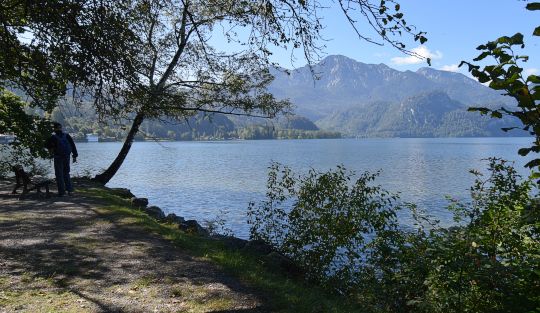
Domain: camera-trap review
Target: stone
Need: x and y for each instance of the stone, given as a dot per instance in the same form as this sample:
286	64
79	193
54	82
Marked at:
259	247
155	212
231	242
140	203
284	264
173	218
193	227
123	193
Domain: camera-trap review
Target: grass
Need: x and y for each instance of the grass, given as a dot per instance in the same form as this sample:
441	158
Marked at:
282	293
38	295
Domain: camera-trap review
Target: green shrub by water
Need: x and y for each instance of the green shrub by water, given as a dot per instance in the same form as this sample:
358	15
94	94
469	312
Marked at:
345	233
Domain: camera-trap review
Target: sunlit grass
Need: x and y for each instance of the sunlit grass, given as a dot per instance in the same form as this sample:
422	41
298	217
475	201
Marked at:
285	294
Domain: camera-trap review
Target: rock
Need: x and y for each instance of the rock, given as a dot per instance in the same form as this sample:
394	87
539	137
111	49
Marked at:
258	246
193	227
231	242
173	218
284	264
123	193
155	212
140	203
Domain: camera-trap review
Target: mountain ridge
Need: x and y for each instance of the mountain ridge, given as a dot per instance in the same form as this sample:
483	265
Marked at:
348	92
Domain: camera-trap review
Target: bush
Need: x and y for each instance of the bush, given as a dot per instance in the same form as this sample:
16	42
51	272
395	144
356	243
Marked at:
345	234
330	227
491	262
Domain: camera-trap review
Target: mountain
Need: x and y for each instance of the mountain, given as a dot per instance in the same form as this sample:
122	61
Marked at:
432	114
361	99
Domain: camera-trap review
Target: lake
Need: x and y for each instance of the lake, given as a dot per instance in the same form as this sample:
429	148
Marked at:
200	180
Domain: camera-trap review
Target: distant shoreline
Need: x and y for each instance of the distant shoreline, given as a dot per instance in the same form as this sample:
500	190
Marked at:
343	137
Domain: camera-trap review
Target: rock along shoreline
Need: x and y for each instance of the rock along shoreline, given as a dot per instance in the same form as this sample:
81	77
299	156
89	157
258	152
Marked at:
258	247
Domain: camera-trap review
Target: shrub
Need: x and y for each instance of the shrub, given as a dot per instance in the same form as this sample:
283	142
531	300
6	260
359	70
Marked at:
491	262
330	225
345	234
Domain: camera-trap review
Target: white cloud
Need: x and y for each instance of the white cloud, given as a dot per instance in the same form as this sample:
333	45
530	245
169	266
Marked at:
530	71
421	51
450	68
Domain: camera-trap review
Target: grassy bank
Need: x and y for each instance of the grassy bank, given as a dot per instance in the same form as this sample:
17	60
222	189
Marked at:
281	292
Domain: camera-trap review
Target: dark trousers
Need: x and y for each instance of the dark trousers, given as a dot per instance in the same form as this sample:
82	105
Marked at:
61	171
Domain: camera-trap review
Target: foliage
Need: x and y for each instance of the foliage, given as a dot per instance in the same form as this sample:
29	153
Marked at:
31	131
50	43
346	235
507	75
490	262
267	132
218	224
323	223
45	45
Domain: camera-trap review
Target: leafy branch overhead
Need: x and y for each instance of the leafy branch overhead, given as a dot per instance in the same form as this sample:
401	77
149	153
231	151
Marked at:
507	75
387	20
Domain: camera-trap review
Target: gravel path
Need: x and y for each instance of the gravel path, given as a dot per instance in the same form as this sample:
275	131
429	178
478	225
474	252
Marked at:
65	255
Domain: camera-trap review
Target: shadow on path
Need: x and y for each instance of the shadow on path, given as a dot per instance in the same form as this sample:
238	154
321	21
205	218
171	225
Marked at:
109	264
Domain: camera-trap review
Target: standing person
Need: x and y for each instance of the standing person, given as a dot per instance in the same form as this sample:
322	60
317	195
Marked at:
61	146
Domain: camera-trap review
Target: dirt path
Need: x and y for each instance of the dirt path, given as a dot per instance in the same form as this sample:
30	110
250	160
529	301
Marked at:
63	255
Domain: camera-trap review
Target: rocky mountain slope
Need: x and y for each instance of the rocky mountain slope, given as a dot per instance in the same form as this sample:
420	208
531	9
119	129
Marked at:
360	99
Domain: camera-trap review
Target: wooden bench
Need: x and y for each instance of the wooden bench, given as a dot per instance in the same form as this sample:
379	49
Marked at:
23	179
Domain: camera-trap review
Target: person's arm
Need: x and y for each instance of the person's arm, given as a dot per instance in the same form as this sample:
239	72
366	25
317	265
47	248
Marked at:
50	144
73	147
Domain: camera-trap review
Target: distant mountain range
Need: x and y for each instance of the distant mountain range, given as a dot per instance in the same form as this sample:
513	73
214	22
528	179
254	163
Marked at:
369	100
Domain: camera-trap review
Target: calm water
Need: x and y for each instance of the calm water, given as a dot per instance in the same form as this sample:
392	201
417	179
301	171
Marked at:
200	179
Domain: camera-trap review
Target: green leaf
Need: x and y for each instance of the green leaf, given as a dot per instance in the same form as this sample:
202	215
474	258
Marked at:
535	79
517	39
482	56
533	163
535	6
524	151
482	77
536	31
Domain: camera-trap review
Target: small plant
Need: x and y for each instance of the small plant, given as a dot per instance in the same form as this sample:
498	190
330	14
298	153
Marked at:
217	225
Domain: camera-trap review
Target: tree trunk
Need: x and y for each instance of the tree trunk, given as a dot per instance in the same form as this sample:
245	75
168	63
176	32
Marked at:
115	165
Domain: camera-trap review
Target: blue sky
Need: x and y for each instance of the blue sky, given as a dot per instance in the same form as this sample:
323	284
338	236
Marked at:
454	29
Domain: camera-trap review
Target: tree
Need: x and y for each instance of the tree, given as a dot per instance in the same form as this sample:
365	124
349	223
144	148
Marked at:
31	131
178	71
507	75
152	59
45	46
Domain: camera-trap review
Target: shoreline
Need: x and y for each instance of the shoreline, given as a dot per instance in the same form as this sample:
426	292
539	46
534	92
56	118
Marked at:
95	251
